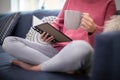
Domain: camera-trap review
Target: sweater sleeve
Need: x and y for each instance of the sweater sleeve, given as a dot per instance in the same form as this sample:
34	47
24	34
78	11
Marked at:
110	10
59	22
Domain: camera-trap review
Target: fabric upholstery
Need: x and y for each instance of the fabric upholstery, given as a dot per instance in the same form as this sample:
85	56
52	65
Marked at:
25	21
1	50
106	63
2	15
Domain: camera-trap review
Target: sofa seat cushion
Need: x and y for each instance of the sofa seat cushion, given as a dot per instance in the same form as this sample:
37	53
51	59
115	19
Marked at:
12	72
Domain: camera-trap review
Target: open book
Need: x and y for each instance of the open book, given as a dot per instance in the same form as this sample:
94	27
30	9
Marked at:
46	27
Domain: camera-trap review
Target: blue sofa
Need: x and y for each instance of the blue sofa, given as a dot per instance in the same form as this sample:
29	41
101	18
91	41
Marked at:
105	66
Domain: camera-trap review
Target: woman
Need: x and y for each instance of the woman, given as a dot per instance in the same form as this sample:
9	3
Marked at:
65	56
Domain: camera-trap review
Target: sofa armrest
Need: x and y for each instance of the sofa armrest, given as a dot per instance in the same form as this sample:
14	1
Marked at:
106	63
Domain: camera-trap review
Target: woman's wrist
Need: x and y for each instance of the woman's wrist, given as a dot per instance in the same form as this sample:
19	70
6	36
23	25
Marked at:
90	33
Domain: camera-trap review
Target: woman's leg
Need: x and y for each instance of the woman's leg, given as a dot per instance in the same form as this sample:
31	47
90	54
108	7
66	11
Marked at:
27	51
72	57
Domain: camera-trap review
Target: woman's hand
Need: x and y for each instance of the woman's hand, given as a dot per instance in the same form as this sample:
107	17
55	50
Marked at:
88	23
26	66
46	38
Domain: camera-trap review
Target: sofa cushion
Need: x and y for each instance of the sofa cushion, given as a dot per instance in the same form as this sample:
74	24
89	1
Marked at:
25	21
7	24
9	71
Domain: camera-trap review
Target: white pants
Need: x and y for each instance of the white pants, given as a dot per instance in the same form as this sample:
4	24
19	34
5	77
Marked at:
73	56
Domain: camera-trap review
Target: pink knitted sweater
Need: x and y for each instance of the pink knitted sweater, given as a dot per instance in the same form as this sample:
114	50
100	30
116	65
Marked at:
99	10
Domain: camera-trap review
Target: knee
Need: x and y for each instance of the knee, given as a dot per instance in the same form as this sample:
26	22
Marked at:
84	50
78	42
7	42
81	45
